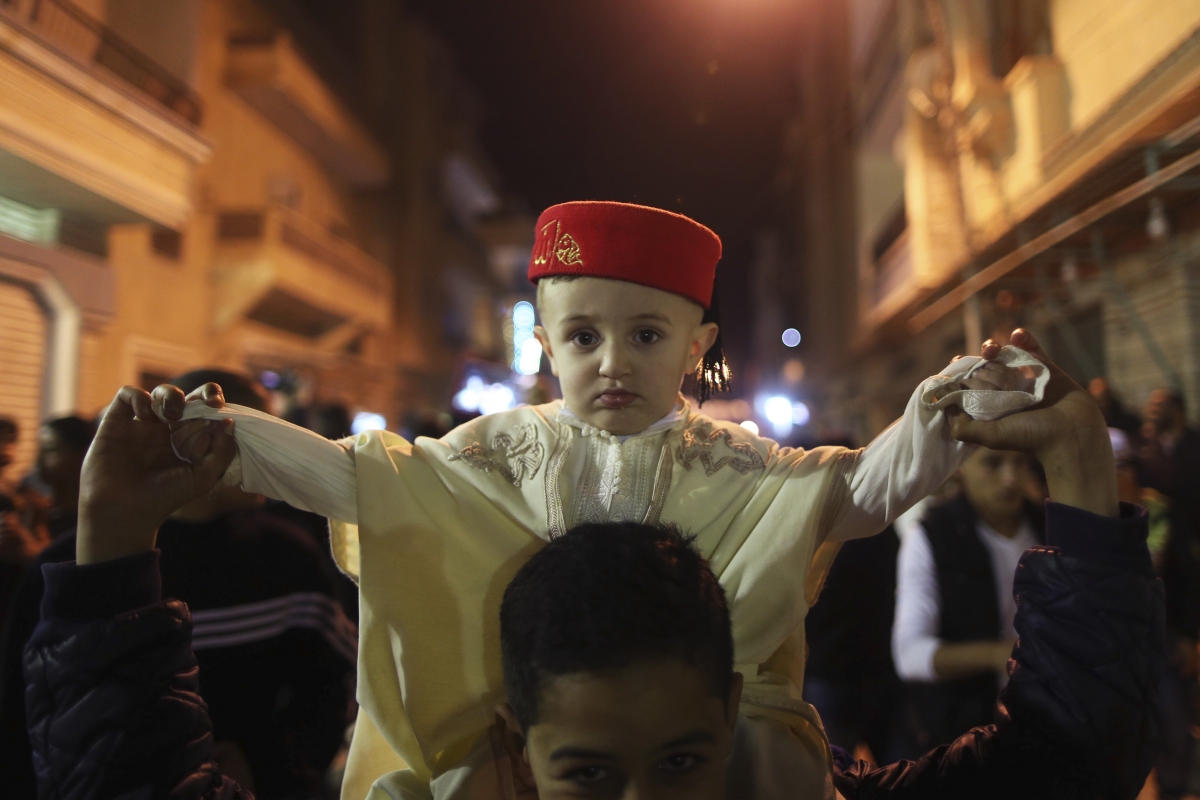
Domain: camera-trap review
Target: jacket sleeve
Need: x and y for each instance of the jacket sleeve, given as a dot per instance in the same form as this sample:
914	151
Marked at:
1079	716
112	689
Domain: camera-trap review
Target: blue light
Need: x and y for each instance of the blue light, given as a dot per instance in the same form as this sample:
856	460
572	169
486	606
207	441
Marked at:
791	337
367	421
270	379
523	316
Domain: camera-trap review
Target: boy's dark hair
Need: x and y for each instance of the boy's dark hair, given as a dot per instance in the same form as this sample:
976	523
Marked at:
76	433
237	389
604	596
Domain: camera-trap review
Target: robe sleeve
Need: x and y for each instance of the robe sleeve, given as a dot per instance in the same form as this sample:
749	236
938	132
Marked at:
289	463
916	454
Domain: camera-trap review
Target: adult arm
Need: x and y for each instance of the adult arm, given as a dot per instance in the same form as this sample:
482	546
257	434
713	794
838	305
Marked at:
112	689
918	453
1079	715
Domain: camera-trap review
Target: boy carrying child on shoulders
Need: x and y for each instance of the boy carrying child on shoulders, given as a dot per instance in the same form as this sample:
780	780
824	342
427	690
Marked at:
618	649
433	530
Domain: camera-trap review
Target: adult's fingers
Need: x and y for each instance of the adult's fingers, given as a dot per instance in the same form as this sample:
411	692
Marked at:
129	403
210	393
168	402
1028	342
991	348
989	434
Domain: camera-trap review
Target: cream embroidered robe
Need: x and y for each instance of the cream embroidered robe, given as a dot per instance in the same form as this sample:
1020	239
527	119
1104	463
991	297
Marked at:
443	525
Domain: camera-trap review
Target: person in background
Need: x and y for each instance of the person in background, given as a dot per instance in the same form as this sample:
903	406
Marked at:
953	627
1169	463
277	651
1115	414
62	445
850	678
23	531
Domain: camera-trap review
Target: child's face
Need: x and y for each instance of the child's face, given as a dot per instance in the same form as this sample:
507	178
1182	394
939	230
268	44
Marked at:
620	350
650	730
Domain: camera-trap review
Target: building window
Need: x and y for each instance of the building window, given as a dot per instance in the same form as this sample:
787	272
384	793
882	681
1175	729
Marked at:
25	222
167	242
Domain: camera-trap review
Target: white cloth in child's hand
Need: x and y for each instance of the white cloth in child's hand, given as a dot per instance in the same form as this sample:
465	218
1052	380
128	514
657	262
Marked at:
946	388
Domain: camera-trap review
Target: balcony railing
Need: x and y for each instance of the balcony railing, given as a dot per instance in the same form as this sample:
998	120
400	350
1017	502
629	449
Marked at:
90	41
304	237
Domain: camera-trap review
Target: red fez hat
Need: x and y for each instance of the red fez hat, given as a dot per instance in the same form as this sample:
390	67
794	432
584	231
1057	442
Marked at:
627	242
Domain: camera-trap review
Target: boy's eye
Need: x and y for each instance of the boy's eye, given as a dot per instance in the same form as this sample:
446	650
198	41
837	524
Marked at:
647	336
585	338
679	763
588	776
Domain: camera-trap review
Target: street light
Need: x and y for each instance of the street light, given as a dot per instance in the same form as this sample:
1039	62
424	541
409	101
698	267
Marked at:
791	337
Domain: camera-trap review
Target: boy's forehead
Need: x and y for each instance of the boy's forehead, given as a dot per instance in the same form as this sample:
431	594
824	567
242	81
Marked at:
605	297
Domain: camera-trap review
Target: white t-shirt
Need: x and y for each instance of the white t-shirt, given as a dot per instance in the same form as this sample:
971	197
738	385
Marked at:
918	599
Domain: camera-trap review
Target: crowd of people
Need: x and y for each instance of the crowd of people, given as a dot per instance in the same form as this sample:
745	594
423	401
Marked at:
921	658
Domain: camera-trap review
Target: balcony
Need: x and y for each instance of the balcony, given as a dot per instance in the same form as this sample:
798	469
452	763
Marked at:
282	270
88	123
271	76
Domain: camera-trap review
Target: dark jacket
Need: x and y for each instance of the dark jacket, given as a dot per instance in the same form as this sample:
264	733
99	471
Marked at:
114	708
275	652
969	612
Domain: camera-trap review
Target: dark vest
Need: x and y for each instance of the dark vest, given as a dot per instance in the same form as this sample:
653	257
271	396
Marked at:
969	612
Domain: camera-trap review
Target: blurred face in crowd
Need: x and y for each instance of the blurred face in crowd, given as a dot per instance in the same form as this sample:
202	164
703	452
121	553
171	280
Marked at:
995	481
1163	413
620	350
653	729
58	464
8	450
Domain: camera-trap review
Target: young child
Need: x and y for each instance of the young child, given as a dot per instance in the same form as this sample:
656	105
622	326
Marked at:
433	530
617	649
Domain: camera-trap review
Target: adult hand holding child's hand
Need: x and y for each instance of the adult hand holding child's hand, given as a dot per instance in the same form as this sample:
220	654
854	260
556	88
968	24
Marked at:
1065	432
133	478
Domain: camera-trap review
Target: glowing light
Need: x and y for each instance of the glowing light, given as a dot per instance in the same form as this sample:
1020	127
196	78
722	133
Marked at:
484	398
367	421
530	359
270	379
496	397
791	337
527	351
523	315
800	414
751	426
778	411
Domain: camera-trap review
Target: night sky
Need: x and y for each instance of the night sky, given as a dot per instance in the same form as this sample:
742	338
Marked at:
674	103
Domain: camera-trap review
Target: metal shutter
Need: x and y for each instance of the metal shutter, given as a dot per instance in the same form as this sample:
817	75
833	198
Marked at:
22	363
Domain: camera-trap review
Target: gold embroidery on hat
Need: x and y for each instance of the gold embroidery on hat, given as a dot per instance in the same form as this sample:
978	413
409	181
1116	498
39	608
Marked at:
567	251
558	245
543	250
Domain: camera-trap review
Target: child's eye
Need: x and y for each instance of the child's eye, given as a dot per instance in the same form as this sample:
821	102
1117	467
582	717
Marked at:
679	763
585	338
647	336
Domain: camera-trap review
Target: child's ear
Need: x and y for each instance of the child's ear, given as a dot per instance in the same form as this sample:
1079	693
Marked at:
704	338
514	745
543	338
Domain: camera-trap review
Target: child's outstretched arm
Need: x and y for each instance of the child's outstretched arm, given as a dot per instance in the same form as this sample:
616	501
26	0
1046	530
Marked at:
914	456
274	458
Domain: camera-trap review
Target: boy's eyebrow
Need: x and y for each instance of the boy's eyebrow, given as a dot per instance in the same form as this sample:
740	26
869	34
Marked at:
577	752
698	736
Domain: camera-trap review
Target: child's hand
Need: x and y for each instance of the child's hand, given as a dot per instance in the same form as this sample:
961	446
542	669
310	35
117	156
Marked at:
998	377
133	480
1065	432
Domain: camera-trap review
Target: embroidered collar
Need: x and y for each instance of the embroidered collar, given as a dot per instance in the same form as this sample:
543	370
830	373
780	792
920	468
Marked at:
678	414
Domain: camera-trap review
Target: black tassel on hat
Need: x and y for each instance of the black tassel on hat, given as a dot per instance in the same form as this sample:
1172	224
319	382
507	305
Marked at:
713	376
